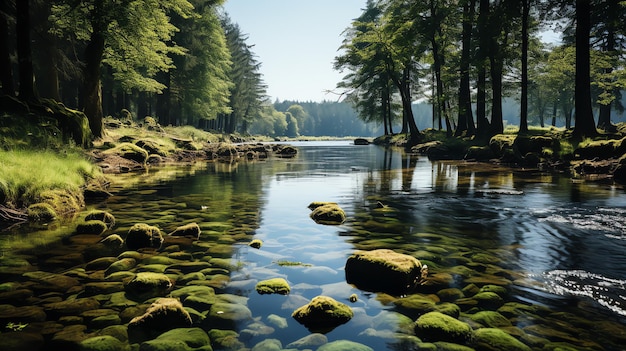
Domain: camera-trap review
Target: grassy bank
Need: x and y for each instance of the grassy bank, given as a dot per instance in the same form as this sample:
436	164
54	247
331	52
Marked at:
31	176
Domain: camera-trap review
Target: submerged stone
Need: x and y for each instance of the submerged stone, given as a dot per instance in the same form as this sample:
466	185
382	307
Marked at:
142	235
344	345
494	339
147	285
189	230
102	343
322	314
383	270
164	314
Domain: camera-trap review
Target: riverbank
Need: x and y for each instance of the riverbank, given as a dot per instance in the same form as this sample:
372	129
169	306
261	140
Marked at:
545	149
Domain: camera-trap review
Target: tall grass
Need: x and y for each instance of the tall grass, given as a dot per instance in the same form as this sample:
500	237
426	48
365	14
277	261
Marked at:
26	174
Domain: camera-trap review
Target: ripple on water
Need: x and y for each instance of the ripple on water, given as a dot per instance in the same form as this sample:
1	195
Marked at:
610	221
608	292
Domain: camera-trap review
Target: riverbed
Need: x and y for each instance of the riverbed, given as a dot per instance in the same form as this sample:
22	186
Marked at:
554	248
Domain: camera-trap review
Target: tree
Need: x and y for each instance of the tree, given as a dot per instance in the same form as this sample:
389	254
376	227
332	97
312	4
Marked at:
523	127
24	54
6	73
585	125
134	49
465	117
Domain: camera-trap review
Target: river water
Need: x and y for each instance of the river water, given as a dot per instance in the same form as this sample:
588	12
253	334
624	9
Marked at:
557	246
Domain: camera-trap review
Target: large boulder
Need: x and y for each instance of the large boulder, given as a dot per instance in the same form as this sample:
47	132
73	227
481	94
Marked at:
142	235
383	270
190	230
323	314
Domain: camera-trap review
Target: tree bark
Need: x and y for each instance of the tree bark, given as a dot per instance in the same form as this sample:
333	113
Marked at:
24	55
523	126
483	127
6	73
584	124
465	117
91	81
604	114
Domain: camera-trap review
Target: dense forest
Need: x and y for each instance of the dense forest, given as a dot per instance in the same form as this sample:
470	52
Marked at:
185	62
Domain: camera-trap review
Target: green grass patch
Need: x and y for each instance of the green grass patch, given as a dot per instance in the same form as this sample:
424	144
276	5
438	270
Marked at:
27	174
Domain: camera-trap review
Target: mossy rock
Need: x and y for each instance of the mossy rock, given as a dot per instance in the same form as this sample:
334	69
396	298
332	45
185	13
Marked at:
415	305
63	201
383	270
322	314
344	345
103	343
228	315
493	339
190	338
448	346
142	235
225	339
315	204
488	300
273	286
479	153
328	214
189	230
103	216
41	212
436	326
152	147
147	285
256	243
163	314
490	319
129	151
501	142
96	227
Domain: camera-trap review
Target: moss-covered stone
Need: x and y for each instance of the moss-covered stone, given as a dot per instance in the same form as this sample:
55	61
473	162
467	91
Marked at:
383	270
146	285
103	216
344	345
322	314
41	212
224	314
179	339
164	314
256	243
273	286
191	230
103	343
436	326
142	235
129	151
95	227
225	339
328	214
490	319
415	305
493	339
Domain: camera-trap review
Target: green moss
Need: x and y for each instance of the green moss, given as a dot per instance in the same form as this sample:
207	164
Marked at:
490	319
256	243
273	286
322	314
103	216
96	227
436	326
41	212
328	214
493	339
292	263
102	343
129	151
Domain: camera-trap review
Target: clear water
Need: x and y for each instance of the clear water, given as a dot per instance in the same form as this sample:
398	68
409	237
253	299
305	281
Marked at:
558	244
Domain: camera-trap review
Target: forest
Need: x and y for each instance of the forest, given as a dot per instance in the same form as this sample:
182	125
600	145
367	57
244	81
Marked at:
185	62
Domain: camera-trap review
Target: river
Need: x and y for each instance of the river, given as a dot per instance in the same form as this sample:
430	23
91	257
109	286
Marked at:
557	246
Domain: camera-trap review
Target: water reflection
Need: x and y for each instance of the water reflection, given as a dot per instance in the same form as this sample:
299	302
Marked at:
556	246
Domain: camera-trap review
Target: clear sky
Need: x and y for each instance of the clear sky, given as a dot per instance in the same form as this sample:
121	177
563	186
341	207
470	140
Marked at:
296	42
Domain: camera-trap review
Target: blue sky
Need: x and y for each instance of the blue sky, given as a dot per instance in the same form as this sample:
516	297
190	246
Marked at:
296	42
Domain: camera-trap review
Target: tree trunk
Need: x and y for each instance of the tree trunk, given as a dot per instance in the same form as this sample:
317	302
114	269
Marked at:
584	125
6	73
24	55
163	100
497	125
91	80
604	115
483	127
523	126
465	118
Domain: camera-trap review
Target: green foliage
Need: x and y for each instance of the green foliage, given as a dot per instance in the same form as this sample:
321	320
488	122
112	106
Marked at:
27	174
137	35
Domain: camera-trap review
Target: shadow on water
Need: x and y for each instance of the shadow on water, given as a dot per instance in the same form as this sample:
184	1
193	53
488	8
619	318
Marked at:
556	247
